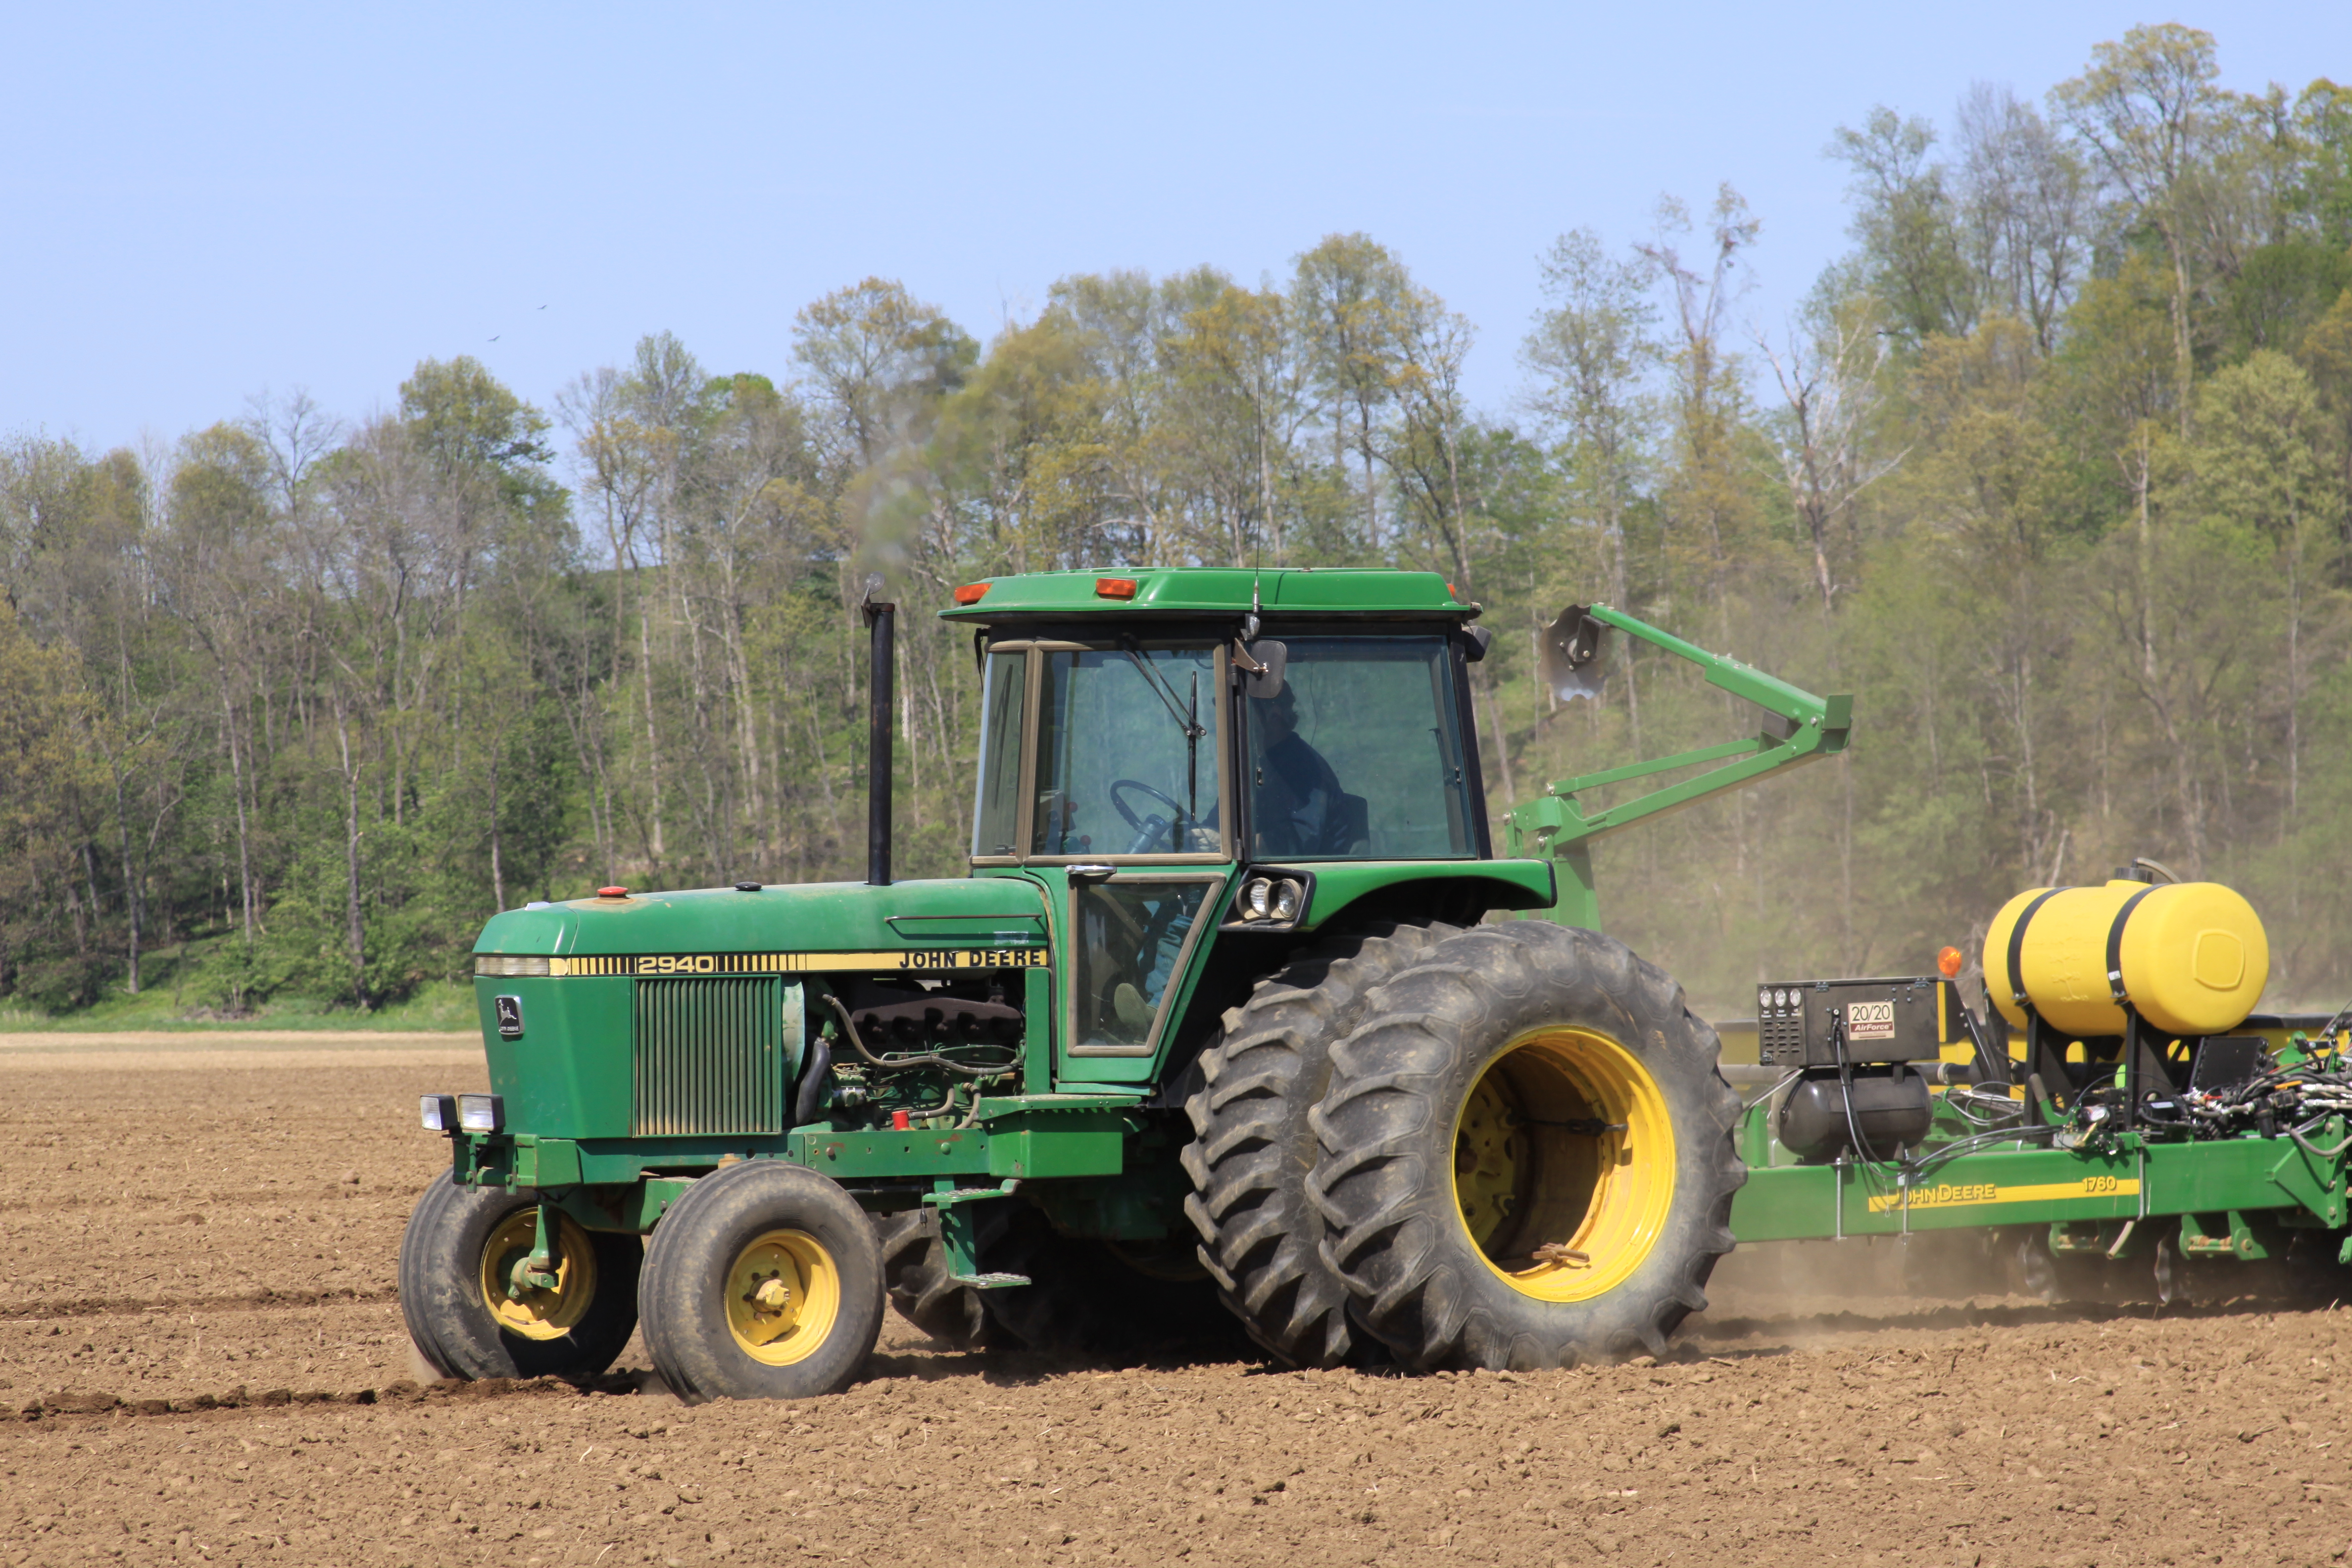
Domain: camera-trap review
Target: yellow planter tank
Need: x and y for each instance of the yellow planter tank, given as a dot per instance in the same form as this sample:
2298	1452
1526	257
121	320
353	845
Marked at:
2194	957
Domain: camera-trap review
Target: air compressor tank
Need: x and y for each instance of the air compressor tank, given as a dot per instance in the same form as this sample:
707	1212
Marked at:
2193	956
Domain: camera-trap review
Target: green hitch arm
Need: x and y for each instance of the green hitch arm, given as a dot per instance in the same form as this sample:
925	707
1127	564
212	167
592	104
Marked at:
538	1269
1799	728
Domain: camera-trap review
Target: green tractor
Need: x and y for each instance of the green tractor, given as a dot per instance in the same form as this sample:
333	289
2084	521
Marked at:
1231	1005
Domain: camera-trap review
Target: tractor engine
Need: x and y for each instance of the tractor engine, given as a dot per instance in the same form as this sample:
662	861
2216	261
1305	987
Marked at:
903	1050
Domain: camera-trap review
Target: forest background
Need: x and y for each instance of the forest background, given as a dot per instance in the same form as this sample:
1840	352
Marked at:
2053	471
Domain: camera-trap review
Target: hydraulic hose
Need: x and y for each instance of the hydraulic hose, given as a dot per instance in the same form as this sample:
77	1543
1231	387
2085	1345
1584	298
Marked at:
898	1064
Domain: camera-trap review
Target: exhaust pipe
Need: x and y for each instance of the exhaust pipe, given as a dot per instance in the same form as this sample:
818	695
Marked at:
881	621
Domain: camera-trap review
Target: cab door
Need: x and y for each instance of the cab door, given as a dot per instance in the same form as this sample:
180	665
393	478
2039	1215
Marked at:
1134	938
1120	808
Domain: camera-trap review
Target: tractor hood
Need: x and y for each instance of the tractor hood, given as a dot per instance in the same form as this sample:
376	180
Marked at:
808	918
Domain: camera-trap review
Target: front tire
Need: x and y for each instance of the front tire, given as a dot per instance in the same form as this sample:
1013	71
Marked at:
466	1311
1527	1154
764	1281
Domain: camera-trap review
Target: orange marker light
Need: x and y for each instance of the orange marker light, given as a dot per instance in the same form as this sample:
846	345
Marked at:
972	593
1950	962
1115	587
612	892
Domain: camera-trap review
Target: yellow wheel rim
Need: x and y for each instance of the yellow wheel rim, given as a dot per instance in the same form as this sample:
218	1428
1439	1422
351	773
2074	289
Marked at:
783	1296
528	1310
1558	1210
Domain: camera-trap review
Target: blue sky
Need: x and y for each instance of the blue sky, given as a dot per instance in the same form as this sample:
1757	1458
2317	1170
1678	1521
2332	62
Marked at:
203	204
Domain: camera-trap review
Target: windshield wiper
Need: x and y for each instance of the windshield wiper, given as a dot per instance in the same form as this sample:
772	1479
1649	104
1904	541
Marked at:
1189	724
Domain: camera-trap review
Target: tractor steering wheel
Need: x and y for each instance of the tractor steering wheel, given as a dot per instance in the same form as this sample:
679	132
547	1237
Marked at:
1176	812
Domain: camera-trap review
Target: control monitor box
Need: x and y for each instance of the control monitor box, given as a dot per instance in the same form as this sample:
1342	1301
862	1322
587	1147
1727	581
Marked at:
1805	1023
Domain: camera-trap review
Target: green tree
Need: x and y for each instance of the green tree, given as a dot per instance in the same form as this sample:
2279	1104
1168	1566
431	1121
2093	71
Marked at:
1593	352
1347	298
45	773
2150	113
2258	468
1909	224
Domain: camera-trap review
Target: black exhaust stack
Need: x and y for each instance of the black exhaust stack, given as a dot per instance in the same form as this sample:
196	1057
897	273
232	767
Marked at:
881	620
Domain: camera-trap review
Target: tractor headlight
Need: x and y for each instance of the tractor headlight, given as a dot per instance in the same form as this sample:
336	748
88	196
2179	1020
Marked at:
438	1113
506	965
482	1112
1269	900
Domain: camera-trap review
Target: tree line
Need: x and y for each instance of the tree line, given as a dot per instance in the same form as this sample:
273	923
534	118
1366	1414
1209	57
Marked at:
2052	470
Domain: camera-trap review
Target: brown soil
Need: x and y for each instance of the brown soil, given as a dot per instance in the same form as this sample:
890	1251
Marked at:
201	1358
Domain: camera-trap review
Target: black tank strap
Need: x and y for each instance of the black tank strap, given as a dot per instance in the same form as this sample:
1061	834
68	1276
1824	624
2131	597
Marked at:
2116	947
2017	948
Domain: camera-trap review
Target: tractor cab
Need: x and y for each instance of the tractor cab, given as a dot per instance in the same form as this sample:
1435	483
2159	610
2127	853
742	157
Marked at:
1175	751
1208	717
1134	749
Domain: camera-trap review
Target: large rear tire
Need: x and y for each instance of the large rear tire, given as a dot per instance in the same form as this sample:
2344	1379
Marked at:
764	1281
1253	1150
1527	1154
466	1311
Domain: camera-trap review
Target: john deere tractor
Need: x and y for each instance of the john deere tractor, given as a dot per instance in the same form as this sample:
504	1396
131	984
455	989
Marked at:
1240	1001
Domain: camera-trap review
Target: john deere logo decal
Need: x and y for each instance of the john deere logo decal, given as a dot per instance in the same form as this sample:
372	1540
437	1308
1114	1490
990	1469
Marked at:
1961	1194
925	958
509	1010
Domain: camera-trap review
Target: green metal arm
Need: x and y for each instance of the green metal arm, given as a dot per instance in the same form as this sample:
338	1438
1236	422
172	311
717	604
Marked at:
1802	729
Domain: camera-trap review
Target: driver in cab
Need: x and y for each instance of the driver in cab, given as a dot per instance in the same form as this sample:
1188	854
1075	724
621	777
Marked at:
1296	805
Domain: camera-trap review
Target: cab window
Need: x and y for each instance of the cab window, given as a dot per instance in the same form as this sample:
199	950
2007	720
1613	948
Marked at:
996	817
1359	755
1132	935
1127	752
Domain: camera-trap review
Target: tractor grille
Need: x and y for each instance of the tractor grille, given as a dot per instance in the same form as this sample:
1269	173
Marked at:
710	1057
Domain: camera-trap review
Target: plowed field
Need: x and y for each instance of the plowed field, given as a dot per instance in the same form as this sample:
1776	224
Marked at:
201	1358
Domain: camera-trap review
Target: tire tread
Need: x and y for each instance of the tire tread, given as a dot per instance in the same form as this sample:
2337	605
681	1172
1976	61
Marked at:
1252	1148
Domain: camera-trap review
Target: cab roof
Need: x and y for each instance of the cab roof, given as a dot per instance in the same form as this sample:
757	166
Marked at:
1171	590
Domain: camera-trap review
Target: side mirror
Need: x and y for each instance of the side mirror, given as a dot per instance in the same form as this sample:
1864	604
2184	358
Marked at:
1261	664
1570	658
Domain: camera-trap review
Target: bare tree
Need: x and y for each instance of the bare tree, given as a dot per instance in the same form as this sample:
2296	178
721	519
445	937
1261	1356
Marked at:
2025	209
1830	368
1705	378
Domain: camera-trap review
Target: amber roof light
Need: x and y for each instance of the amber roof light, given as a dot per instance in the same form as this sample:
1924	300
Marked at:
1115	587
612	892
971	593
